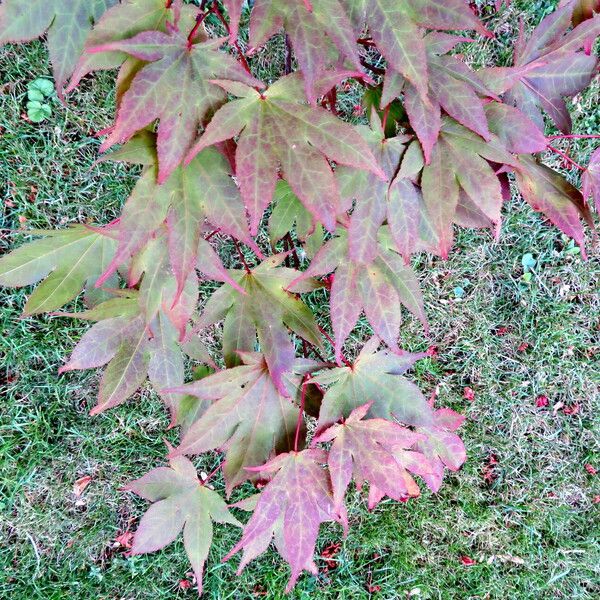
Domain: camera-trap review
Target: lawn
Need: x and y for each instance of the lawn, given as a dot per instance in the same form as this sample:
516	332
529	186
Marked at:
519	521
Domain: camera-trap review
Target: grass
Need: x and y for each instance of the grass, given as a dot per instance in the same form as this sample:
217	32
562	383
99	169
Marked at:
530	525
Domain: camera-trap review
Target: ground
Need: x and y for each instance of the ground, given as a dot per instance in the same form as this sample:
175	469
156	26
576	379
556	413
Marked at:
520	519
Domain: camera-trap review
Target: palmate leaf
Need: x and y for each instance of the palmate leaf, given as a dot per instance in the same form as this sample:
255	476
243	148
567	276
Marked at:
459	185
395	26
547	68
125	20
376	377
203	190
279	130
441	446
550	193
249	416
133	347
374	450
266	310
453	87
313	34
67	260
67	22
290	509
175	88
180	501
397	200
379	288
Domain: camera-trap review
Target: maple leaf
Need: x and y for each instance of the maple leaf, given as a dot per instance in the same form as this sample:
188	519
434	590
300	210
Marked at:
397	200
395	26
132	348
180	501
378	287
313	31
591	179
290	508
67	22
547	67
376	377
279	130
453	86
459	185
67	260
203	190
441	446
550	193
373	450
249	416
287	212
266	310
174	87
125	20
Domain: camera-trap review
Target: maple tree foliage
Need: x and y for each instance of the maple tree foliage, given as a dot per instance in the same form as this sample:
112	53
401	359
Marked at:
256	199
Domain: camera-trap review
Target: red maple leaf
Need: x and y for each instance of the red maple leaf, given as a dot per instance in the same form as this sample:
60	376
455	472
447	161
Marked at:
541	401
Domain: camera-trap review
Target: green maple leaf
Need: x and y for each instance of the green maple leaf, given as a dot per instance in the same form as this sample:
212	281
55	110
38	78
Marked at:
378	287
248	416
290	509
374	450
180	502
279	130
67	260
174	87
67	22
313	34
267	309
376	377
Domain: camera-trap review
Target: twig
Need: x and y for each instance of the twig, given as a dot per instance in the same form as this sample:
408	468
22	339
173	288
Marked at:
566	157
301	411
241	255
328	337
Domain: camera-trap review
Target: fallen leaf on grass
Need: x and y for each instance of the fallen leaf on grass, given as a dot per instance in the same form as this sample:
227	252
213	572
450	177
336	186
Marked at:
467	561
80	485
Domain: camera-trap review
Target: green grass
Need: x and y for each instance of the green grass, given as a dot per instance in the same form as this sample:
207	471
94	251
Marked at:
532	531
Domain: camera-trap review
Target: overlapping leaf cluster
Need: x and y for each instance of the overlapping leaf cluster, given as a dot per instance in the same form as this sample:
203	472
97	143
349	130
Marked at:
347	206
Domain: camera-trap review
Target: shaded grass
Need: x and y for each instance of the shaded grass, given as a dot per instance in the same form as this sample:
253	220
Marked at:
530	527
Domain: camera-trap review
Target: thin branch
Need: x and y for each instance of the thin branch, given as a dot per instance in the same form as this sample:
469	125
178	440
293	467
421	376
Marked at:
215	10
371	67
288	55
291	246
386	113
328	337
574	136
199	19
212	234
211	474
241	255
566	157
301	411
